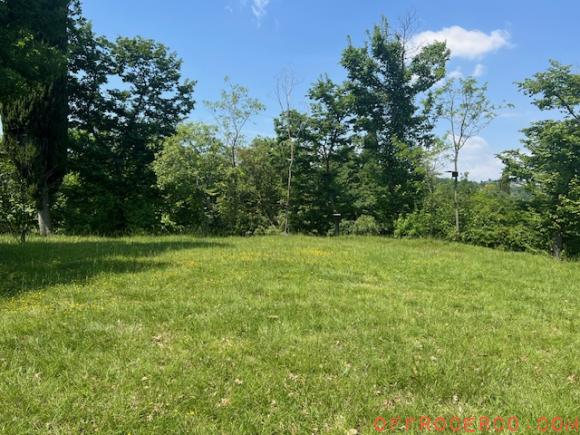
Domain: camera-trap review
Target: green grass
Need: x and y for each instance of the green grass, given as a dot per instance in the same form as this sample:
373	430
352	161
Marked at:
279	335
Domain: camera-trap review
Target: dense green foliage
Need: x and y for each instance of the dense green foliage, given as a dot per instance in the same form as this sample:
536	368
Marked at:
490	217
30	54
16	209
544	211
204	193
384	80
279	334
116	131
551	168
33	96
363	149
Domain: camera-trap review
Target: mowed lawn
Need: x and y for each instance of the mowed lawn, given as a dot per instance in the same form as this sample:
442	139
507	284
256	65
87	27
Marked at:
280	334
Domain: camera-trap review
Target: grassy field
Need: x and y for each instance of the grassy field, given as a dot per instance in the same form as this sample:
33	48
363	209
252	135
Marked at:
280	335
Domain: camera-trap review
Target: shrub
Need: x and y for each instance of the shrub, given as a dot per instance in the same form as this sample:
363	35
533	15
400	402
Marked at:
17	211
365	226
494	219
345	228
423	223
412	225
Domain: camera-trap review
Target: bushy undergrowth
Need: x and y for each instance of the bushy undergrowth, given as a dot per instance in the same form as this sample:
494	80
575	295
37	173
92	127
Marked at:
488	217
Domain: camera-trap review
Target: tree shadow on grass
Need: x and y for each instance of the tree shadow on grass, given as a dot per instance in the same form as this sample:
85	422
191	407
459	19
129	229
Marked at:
39	264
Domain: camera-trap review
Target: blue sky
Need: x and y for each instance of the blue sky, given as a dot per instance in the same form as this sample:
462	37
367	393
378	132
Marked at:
252	41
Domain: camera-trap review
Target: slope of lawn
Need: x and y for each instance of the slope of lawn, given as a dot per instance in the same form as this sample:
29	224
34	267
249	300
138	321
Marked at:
280	334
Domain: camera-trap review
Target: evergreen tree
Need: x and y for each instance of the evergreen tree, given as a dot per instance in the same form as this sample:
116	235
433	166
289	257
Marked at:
33	104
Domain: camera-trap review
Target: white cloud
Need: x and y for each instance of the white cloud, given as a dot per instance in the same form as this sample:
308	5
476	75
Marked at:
259	8
476	158
479	160
470	44
455	74
479	70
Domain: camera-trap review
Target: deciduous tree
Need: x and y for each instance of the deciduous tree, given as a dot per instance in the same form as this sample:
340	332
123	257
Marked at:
464	105
550	169
385	78
118	130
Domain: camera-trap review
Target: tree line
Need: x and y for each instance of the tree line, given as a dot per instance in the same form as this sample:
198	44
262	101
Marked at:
95	142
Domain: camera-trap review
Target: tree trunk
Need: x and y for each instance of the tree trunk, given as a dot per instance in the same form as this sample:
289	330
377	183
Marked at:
22	219
557	244
287	224
233	151
456	197
456	206
44	224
